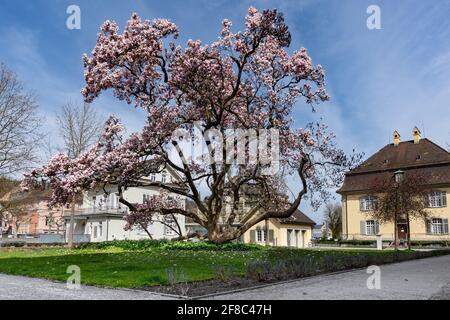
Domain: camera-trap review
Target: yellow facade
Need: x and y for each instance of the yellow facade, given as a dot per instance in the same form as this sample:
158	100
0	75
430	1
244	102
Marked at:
300	235
352	217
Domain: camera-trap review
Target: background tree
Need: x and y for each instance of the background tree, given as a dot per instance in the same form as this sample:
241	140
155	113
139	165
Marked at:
6	185
79	127
55	219
400	196
19	125
333	219
245	80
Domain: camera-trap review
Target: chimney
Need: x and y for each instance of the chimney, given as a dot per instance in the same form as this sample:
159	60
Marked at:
396	138
416	135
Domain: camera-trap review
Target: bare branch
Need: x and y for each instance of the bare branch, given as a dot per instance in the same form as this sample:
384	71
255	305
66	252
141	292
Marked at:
19	125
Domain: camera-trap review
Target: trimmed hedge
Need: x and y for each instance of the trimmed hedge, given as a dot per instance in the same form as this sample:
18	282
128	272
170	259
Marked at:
169	245
21	244
441	243
297	267
416	243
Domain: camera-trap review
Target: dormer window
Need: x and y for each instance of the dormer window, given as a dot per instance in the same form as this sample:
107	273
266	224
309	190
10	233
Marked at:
418	157
386	161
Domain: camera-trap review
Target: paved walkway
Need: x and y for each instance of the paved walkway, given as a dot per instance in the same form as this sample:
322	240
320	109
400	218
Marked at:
24	288
416	279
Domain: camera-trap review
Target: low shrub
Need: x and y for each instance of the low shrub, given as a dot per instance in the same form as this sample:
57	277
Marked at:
415	243
431	243
225	273
16	244
169	245
21	244
302	266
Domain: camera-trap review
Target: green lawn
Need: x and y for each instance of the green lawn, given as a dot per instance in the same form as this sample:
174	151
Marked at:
118	267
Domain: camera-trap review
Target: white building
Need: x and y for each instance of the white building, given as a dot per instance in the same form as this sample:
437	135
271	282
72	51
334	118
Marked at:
101	217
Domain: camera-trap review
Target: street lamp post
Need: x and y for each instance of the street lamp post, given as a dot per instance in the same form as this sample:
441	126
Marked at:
398	176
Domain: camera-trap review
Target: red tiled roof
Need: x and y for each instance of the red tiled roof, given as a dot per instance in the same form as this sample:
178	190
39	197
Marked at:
405	155
425	158
297	217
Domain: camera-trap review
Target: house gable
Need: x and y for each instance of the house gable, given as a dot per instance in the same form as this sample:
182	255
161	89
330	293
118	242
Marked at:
422	157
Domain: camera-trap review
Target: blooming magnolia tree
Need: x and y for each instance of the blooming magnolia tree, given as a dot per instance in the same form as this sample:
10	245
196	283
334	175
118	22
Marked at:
245	80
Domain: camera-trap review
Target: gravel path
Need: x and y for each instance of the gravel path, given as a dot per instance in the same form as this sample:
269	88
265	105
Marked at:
25	288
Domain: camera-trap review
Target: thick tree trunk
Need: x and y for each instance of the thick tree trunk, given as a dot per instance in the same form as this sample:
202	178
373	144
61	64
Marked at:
188	236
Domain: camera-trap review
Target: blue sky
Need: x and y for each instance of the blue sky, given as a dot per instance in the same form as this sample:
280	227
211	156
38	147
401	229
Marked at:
379	80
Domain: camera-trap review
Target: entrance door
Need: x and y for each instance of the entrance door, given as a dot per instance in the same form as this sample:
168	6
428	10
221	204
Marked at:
402	231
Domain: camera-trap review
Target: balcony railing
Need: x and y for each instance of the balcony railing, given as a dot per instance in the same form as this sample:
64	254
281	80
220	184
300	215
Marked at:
98	210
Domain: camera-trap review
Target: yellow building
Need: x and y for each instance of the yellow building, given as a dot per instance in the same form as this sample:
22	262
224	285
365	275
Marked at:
417	156
295	231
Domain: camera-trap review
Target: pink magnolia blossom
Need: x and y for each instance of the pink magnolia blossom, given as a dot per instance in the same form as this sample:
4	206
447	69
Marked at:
244	80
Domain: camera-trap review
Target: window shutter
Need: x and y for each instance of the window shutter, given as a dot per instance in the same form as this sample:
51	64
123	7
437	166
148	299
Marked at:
444	199
428	226
252	236
361	204
270	235
377	227
426	200
445	226
362	227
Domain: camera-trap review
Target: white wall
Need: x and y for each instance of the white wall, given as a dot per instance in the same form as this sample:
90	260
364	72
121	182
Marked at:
113	227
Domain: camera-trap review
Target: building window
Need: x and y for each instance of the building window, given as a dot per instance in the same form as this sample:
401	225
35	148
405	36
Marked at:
152	177
169	226
95	233
367	203
163	177
437	199
100	229
260	235
370	227
438	226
